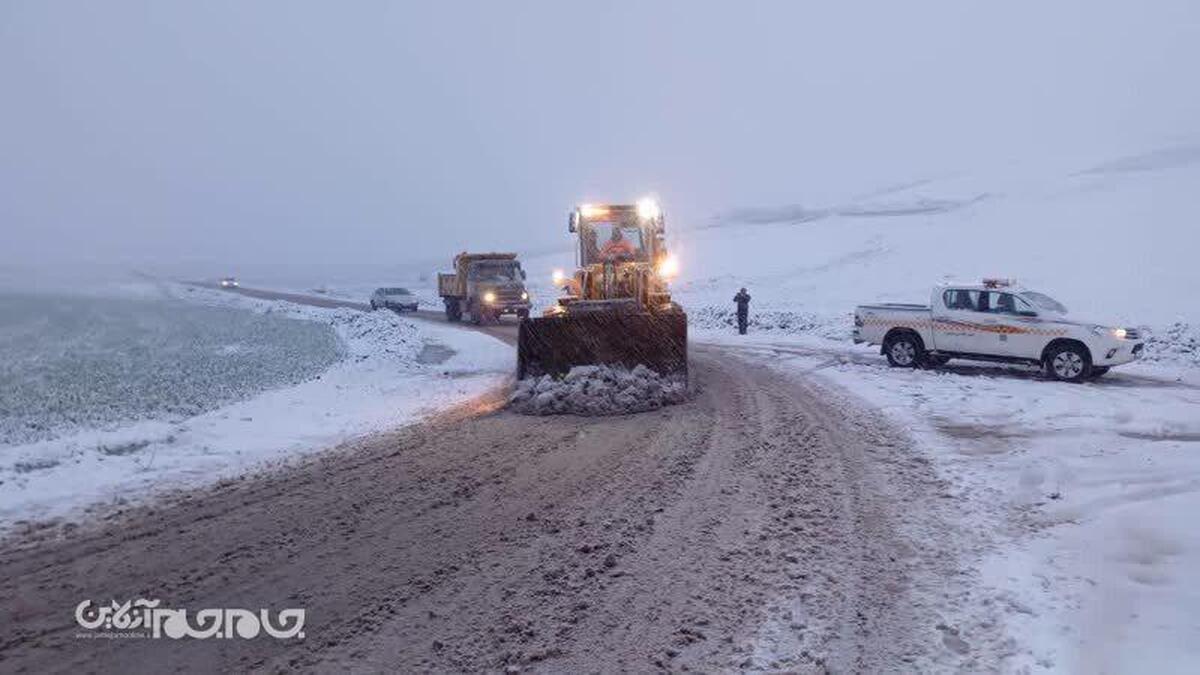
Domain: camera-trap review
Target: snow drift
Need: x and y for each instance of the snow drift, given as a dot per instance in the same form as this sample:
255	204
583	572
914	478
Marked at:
597	390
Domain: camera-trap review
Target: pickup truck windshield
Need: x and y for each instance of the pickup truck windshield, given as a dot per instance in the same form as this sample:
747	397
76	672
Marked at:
1045	302
500	271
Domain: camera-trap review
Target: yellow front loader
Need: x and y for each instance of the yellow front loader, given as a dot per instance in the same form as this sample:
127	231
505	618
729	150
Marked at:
617	309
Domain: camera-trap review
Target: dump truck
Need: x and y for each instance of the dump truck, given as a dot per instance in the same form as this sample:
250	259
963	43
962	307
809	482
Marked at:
617	309
484	286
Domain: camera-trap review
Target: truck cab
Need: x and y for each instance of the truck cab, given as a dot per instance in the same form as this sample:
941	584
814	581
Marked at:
483	287
996	320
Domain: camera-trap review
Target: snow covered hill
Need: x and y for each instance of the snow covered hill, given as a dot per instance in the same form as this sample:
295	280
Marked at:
1115	239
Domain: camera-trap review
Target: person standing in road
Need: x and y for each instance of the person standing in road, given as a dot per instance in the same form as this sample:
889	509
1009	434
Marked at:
743	310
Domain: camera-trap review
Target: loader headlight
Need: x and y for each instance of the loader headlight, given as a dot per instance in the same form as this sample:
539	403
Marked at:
647	209
489	297
668	267
559	276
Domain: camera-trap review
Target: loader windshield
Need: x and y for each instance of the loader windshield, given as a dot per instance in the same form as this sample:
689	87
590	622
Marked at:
613	242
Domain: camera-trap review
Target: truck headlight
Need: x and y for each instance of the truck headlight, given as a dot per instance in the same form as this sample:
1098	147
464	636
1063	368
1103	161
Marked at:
489	297
524	295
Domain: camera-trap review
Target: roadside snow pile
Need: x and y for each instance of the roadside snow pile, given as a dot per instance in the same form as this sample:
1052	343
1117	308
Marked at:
597	390
1179	342
772	321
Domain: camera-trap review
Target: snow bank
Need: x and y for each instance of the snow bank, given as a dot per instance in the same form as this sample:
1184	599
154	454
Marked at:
597	390
387	378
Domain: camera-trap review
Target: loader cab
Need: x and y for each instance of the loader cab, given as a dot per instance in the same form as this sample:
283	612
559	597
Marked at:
612	233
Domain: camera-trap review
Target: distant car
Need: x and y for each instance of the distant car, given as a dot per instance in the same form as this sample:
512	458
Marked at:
228	282
399	299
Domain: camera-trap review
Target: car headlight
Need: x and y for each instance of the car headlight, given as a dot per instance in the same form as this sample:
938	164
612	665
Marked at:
489	297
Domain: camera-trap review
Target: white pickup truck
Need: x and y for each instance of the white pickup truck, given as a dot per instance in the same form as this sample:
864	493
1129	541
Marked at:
995	321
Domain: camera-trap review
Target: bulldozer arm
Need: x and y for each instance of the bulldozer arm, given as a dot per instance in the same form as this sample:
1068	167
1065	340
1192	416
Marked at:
553	345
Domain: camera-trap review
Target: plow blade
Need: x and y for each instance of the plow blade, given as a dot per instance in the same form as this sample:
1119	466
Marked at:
552	345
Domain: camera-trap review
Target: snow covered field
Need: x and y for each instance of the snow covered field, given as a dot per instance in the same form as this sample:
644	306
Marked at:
85	361
389	371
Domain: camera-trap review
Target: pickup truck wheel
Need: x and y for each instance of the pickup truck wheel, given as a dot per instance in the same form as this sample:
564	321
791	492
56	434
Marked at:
903	351
373	306
1069	363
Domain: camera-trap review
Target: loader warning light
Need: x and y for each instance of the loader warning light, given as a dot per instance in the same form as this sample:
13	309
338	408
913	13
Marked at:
593	211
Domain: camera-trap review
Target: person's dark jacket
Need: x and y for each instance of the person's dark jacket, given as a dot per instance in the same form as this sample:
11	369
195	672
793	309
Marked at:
743	302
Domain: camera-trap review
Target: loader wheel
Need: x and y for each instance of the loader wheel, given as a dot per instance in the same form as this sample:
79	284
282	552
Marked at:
1068	362
522	314
373	306
903	350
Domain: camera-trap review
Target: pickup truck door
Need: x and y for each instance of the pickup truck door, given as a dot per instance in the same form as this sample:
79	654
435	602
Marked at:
1010	320
956	321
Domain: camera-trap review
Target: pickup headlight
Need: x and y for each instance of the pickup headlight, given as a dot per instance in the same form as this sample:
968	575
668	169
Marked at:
1105	331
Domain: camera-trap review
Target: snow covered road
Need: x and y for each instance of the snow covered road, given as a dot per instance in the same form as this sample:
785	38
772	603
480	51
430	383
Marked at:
766	523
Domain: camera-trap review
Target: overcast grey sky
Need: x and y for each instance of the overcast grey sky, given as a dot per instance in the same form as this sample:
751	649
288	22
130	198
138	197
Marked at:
386	131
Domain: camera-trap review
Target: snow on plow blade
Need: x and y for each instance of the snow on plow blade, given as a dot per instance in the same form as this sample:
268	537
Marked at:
552	345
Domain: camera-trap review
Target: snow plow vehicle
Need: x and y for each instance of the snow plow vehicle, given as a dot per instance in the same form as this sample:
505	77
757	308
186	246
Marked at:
484	286
995	320
617	310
